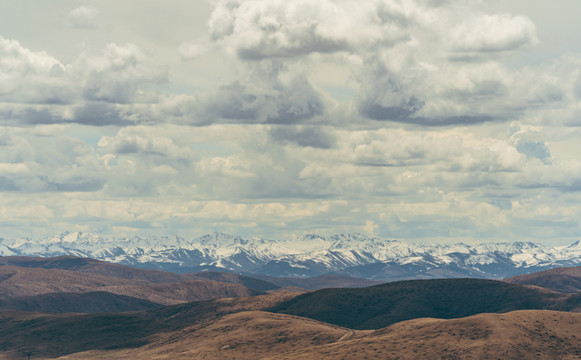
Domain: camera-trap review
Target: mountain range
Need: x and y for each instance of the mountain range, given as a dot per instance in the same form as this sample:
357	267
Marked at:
353	255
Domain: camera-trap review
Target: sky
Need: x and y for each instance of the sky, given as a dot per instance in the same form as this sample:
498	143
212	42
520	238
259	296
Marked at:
420	120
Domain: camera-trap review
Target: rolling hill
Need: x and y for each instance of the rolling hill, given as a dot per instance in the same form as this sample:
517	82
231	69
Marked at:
531	334
28	284
565	280
97	267
382	305
91	302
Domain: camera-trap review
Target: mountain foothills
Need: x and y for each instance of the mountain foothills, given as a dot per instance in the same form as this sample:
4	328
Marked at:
261	327
564	280
312	255
150	314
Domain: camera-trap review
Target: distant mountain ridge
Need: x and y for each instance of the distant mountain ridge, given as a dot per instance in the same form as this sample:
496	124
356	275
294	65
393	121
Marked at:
311	255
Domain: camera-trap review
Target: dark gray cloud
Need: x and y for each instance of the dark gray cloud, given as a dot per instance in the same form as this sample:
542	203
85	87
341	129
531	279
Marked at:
309	136
406	113
96	113
81	185
372	109
274	104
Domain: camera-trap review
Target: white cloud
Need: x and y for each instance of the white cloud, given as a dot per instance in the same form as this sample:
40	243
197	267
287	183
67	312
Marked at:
84	17
97	90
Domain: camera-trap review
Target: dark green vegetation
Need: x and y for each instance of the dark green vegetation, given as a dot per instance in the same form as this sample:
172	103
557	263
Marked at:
92	302
57	335
382	305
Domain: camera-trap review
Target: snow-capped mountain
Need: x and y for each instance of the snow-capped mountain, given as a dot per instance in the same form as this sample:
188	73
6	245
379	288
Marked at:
311	255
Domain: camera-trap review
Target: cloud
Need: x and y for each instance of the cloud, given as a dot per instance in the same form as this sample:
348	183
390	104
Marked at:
310	136
84	17
143	141
190	50
32	162
418	62
118	76
105	89
31	77
272	102
493	33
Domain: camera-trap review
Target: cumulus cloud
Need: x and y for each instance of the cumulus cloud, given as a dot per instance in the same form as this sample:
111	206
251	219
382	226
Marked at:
259	29
83	17
31	77
428	63
493	33
119	75
103	89
271	102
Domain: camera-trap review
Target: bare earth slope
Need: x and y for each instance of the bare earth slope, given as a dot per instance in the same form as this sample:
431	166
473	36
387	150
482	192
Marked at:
566	280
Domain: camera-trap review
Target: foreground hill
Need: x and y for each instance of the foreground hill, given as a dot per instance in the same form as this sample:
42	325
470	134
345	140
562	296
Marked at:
255	334
542	335
382	305
53	335
565	280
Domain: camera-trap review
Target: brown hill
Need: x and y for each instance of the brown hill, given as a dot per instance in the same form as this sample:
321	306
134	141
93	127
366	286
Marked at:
529	334
92	266
382	305
248	281
253	335
18	282
92	302
320	282
175	293
50	335
565	280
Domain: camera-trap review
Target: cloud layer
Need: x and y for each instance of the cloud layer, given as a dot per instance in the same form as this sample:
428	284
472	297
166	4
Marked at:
413	119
